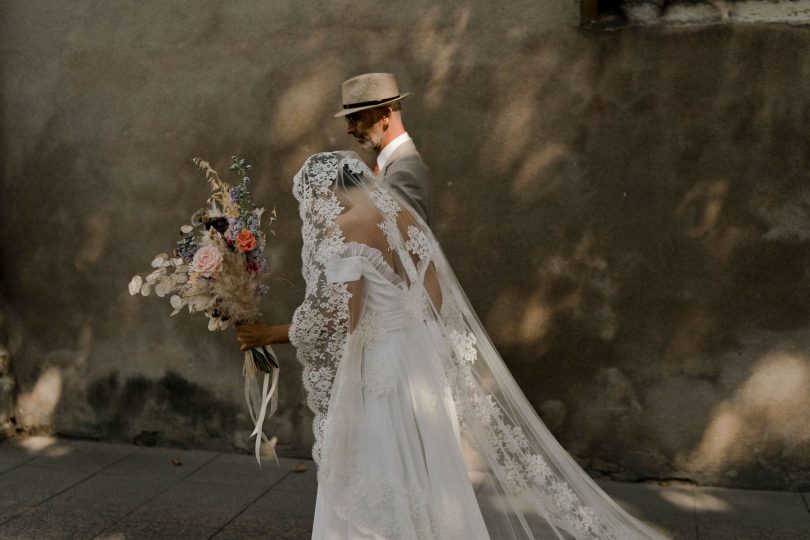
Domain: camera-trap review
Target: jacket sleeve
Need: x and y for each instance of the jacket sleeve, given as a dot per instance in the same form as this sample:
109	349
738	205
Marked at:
409	177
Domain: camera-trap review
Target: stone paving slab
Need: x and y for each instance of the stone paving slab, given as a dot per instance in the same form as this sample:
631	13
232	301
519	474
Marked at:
76	489
133	528
784	512
733	532
197	504
61	519
300	481
282	528
9	510
661	504
275	505
242	470
276	514
29	485
115	492
679	532
666	507
12	456
160	463
81	456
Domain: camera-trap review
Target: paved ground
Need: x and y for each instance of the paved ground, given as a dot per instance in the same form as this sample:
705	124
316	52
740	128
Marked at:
77	489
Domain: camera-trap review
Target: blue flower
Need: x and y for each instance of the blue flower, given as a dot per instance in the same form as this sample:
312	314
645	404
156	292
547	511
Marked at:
237	192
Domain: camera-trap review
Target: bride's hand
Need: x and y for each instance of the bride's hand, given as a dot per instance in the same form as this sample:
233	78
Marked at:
250	335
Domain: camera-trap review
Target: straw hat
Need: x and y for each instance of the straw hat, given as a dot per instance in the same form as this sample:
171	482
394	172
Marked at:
369	91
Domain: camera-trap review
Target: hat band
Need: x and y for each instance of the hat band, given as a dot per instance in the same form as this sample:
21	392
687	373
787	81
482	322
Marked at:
367	103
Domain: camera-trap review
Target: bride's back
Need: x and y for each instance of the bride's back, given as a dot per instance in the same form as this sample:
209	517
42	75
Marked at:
362	222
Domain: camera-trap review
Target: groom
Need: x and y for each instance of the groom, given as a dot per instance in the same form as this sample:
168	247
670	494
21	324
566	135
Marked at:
371	107
373	113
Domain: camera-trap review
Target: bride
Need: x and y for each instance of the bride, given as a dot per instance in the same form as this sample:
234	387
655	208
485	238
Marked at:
420	430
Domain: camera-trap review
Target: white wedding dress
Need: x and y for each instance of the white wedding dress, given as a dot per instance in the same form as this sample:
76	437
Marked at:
392	411
420	431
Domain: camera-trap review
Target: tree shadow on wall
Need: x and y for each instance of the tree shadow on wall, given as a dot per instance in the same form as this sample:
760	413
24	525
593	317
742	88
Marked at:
625	211
623	225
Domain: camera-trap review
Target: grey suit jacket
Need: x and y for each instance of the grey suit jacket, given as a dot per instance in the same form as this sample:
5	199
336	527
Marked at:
407	174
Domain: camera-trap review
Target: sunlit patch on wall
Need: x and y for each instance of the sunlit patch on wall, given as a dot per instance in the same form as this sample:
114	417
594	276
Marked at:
534	180
772	405
94	240
37	406
700	210
536	320
440	47
305	103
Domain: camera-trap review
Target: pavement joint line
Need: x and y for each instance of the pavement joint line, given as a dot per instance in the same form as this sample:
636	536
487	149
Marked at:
30	458
25	510
806	503
156	495
71	486
262	494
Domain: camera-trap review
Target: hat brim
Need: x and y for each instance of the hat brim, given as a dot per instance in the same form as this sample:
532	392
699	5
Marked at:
352	110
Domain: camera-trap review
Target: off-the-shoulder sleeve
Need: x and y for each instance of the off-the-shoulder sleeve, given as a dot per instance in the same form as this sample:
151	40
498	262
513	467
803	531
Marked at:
345	269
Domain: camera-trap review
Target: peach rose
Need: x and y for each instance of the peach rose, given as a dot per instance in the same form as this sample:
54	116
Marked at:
207	261
245	241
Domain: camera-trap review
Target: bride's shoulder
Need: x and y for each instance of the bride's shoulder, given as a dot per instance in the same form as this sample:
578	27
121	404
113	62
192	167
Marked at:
355	222
361	229
348	222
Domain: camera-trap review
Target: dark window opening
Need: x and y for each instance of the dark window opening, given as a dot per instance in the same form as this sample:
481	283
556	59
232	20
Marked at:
594	11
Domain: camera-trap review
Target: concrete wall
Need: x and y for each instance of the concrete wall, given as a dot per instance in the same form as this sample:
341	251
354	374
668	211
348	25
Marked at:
627	210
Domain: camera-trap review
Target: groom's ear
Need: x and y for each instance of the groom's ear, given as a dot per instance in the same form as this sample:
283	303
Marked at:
380	113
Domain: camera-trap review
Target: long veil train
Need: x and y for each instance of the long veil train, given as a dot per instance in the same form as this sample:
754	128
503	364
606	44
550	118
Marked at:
526	484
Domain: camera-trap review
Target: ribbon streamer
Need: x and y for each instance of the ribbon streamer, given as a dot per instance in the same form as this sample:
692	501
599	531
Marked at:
269	397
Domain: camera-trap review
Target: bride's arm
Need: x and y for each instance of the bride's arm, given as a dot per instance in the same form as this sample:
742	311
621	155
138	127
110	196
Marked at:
355	303
251	335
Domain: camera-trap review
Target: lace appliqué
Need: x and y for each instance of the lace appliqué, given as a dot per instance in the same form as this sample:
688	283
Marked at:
391	234
354	166
379	379
320	324
383	200
521	468
367	327
464	345
417	243
381	507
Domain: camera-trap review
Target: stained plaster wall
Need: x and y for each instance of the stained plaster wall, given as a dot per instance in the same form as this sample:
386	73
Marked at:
627	211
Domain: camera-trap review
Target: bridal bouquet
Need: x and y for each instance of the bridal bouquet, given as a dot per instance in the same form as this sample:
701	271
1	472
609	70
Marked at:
216	269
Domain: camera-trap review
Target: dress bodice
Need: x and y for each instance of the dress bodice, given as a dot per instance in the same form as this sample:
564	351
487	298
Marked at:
385	294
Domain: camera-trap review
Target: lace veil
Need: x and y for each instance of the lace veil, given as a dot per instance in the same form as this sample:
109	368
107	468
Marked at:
526	484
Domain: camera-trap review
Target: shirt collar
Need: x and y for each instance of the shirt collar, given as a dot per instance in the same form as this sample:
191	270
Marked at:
385	155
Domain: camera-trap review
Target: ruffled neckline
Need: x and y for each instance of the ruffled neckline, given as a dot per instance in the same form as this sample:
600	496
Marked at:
375	257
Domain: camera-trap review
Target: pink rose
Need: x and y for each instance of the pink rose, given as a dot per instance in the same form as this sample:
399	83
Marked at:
207	261
245	241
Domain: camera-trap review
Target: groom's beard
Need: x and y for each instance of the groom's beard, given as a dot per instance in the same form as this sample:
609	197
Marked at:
370	141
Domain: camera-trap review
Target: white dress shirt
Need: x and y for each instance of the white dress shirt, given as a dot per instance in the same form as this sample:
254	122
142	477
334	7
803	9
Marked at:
382	159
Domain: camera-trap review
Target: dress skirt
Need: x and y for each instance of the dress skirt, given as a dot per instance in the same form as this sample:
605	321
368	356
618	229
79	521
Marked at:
392	465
